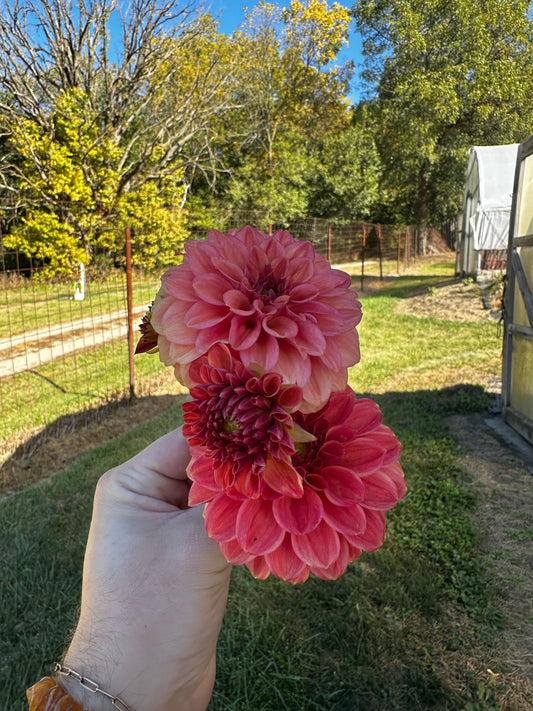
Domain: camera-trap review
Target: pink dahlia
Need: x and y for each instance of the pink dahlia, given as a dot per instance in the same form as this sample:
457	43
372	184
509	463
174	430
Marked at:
348	476
243	424
273	300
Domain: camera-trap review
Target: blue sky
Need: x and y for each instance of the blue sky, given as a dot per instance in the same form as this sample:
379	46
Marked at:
230	14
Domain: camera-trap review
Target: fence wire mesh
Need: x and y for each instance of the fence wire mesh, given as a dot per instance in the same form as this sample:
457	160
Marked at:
64	345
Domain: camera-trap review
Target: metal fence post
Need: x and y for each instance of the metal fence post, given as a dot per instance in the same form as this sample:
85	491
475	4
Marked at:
399	251
129	298
363	259
380	253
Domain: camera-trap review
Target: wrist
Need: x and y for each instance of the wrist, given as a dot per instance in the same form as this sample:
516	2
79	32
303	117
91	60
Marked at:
87	692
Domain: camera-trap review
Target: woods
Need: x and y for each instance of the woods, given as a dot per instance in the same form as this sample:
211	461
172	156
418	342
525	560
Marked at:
146	115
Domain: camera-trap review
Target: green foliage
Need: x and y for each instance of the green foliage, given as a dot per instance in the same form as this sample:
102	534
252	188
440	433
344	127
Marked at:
154	214
288	144
344	182
445	76
86	212
44	236
68	177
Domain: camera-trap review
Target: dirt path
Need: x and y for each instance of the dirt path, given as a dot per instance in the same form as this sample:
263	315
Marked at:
503	483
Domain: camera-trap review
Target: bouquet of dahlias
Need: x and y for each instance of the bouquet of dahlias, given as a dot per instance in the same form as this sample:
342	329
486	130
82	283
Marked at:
294	470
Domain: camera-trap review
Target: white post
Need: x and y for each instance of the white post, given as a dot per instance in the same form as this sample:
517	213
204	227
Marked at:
80	284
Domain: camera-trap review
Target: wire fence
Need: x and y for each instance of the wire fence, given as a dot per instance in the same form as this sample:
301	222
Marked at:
66	345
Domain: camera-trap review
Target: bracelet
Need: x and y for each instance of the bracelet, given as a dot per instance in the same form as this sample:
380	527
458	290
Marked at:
91	686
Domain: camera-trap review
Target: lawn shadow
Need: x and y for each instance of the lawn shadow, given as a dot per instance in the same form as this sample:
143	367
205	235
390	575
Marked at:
399	286
59	443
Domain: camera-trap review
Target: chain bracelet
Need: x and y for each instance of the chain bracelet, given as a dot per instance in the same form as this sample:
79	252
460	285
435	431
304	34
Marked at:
91	686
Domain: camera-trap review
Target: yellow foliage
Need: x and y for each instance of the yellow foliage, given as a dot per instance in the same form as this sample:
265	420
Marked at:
313	22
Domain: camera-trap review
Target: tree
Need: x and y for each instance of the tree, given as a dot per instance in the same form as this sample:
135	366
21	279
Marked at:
344	182
443	76
287	95
83	130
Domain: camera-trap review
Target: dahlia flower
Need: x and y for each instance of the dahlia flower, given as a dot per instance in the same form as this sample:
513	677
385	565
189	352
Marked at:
272	300
347	476
242	423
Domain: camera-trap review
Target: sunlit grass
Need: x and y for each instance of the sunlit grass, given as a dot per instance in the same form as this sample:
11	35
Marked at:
70	384
407	352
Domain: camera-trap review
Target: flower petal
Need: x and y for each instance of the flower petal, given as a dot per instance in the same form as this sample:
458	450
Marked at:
283	478
318	388
298	515
380	492
363	455
320	547
395	474
258	567
233	552
343	487
210	287
337	568
310	338
257	530
389	442
204	315
285	564
374	533
280	326
264	352
293	366
200	469
348	520
200	494
238	302
220	516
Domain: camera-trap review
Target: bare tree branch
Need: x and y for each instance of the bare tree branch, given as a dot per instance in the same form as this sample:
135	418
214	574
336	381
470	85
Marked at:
136	68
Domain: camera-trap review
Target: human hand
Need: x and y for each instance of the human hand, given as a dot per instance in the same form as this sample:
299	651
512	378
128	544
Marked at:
154	589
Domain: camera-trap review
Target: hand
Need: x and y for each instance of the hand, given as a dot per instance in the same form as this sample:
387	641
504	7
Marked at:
154	589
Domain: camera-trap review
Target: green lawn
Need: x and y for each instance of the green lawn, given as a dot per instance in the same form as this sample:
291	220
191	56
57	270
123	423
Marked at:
72	382
413	626
68	385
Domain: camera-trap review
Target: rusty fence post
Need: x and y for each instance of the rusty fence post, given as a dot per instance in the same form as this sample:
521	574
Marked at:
380	237
398	251
363	259
129	298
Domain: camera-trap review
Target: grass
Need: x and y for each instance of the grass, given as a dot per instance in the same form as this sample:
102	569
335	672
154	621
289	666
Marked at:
393	633
406	352
68	385
74	382
413	626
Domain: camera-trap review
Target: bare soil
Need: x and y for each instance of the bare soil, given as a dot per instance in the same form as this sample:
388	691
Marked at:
503	484
455	301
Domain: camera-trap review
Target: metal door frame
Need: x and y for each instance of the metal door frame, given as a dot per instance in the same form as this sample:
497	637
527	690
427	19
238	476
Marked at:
516	276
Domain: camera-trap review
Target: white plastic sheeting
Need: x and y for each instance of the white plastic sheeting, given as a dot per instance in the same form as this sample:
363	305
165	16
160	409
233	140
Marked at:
488	195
